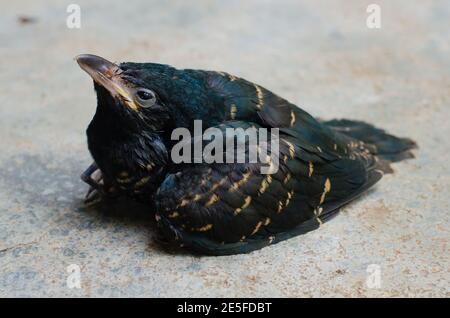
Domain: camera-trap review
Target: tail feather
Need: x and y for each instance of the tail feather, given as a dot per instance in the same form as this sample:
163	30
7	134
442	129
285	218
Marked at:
386	146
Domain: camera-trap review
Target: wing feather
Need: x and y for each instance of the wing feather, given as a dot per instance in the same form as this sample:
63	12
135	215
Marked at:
218	205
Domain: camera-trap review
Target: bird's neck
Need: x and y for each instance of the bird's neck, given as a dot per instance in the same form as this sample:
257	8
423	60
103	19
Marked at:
116	148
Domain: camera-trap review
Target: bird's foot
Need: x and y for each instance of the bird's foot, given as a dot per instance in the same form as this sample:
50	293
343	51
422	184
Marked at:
98	188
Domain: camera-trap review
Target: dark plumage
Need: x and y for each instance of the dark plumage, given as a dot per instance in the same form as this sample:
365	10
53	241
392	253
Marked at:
226	208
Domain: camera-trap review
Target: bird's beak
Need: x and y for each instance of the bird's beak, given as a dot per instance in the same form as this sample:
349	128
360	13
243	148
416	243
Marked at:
106	74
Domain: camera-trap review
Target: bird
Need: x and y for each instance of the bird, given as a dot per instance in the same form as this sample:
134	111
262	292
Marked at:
225	208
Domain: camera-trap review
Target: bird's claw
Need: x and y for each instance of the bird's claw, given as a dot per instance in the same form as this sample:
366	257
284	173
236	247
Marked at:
98	190
92	197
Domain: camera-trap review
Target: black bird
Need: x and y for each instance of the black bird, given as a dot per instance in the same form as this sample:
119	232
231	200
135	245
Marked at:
225	208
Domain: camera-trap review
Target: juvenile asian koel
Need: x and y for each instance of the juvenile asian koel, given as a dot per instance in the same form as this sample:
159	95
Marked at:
224	208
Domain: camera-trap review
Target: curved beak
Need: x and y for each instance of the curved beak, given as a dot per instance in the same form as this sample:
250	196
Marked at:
106	74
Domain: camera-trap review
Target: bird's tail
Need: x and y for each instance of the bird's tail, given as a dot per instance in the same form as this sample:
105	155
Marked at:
386	146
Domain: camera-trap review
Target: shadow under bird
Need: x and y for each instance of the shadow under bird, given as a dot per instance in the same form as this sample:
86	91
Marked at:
224	208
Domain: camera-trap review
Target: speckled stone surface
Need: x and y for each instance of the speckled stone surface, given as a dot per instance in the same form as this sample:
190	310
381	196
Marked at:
318	54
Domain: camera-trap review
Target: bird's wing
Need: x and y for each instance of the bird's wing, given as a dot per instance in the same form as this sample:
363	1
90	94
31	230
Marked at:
226	208
244	100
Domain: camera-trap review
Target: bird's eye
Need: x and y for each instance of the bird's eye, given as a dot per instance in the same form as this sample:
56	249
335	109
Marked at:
146	97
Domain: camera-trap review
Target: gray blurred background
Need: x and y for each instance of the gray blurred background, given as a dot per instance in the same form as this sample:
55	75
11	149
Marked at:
319	55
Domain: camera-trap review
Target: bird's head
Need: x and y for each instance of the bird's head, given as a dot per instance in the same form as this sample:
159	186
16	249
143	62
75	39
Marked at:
126	134
132	97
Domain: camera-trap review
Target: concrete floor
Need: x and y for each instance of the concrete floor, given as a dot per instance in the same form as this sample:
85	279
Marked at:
318	54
